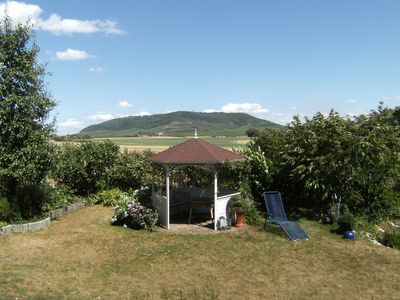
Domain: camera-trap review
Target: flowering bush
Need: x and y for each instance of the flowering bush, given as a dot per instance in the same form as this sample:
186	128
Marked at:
135	216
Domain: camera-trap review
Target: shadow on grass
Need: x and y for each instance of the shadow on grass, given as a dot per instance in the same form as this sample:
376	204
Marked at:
274	229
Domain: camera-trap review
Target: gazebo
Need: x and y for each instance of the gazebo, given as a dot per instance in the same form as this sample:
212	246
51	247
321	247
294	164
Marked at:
193	152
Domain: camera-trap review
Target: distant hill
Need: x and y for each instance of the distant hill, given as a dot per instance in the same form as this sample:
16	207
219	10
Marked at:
180	123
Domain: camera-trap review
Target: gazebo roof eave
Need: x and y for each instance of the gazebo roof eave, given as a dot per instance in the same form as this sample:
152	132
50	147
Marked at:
179	162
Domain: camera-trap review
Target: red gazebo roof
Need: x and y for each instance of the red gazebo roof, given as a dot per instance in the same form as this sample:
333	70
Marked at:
195	151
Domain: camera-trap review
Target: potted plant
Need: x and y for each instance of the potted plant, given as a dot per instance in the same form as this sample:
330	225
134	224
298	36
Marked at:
238	206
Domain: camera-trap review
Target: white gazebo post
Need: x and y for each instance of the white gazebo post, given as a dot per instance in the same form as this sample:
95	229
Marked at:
215	199
167	172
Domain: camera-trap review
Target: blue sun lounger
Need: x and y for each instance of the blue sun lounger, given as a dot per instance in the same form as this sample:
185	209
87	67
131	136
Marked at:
276	215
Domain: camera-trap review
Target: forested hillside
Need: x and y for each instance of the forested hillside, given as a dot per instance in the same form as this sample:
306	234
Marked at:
180	123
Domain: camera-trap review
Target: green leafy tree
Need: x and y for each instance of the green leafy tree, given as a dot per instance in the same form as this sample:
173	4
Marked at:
257	169
325	157
25	104
131	171
84	167
376	177
252	132
317	156
262	165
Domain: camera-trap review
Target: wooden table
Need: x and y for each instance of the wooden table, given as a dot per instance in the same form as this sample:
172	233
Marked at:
201	202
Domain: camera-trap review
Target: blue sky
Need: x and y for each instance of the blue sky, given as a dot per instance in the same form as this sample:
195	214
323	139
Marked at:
272	59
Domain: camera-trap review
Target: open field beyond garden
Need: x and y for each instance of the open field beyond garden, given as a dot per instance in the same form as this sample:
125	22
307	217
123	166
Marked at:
82	257
161	143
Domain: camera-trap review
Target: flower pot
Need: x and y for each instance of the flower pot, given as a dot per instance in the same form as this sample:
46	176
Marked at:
239	218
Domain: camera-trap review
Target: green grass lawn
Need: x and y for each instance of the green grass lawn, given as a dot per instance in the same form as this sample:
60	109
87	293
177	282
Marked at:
82	257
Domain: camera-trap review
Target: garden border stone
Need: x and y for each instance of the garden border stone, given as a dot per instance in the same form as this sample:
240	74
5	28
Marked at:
56	213
42	224
34	226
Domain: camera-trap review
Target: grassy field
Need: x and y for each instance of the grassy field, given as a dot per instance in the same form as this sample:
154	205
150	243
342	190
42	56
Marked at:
162	143
82	257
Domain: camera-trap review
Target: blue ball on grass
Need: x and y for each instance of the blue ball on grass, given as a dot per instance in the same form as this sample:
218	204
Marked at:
350	235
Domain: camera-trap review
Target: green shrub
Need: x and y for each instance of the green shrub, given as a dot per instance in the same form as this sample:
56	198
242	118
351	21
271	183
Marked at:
256	170
252	214
84	167
388	234
380	205
324	155
4	209
392	239
252	132
346	222
113	197
363	225
28	201
130	171
61	197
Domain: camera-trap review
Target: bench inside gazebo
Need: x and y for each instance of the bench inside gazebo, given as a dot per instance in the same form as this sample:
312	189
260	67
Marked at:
185	201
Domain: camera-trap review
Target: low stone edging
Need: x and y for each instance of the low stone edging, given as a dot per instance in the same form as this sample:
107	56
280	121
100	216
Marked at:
42	224
55	214
34	226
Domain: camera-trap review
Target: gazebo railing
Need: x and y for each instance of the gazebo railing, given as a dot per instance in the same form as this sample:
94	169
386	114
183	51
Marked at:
181	198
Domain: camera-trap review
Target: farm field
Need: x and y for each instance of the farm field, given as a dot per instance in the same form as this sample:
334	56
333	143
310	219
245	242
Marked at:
161	143
82	257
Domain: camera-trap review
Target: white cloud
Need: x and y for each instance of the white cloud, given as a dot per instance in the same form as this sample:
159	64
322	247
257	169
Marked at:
143	113
282	118
124	104
240	107
58	26
75	124
100	116
72	54
391	98
353	101
109	27
244	107
21	12
97	69
72	123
